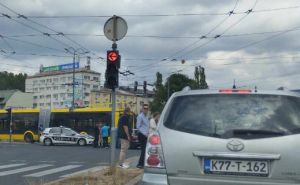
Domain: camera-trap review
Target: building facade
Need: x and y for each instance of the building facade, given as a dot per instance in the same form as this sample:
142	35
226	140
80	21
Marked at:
53	87
15	99
102	98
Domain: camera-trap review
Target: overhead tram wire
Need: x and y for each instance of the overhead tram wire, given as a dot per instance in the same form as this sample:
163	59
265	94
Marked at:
156	15
226	30
44	26
198	40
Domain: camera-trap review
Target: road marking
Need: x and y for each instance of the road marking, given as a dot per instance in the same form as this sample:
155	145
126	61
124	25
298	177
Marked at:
54	170
20	170
94	169
75	162
11	165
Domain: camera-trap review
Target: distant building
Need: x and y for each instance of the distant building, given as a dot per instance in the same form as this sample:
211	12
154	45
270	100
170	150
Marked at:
15	99
52	86
124	98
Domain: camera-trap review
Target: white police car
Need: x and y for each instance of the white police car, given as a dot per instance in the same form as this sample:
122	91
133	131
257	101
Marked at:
63	135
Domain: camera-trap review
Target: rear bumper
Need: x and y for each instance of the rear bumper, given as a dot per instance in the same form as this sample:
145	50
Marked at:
154	179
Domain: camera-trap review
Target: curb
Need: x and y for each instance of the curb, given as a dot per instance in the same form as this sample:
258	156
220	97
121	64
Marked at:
135	181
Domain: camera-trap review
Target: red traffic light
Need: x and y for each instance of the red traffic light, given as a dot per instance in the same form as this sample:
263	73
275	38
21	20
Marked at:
112	56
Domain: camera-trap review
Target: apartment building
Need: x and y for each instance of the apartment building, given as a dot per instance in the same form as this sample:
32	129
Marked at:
52	87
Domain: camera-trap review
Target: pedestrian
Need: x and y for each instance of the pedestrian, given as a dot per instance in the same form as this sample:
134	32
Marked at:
143	126
124	133
105	134
96	135
100	136
153	122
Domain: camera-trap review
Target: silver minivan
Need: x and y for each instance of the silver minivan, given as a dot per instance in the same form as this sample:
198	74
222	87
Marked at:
227	137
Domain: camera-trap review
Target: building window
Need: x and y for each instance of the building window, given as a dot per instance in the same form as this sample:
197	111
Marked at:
95	86
48	88
61	103
55	96
86	77
62	87
36	89
42	104
86	94
70	95
62	95
35	105
42	88
48	96
86	85
35	97
49	80
42	96
63	79
42	81
96	79
55	88
55	79
70	78
49	104
86	102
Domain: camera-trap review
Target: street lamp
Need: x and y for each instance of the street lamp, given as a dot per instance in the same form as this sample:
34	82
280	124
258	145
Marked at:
75	52
168	81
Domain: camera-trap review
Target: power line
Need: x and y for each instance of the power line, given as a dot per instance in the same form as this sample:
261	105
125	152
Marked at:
157	15
44	26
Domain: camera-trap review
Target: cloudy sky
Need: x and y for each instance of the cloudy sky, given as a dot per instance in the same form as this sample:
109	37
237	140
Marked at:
257	44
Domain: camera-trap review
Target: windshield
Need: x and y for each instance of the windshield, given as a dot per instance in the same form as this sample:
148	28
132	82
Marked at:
239	116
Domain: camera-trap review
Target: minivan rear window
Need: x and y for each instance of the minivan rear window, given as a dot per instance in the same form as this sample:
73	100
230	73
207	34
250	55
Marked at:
246	116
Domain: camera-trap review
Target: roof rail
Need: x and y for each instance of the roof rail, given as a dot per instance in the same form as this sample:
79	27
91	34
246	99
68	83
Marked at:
187	88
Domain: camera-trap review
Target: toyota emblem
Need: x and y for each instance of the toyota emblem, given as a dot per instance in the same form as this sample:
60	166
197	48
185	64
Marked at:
235	145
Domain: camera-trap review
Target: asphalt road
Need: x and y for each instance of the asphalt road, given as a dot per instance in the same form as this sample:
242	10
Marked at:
27	164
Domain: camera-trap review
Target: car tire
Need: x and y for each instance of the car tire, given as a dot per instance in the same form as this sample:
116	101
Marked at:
48	142
28	138
81	142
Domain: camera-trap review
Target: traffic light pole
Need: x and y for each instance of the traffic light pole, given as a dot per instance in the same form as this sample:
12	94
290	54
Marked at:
114	130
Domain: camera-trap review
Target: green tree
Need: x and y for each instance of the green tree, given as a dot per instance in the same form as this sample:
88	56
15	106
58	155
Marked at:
12	81
160	94
199	76
174	83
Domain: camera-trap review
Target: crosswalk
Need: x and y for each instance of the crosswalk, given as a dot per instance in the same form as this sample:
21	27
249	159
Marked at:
27	170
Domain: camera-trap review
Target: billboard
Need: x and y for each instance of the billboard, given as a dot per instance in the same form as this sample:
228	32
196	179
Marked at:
60	67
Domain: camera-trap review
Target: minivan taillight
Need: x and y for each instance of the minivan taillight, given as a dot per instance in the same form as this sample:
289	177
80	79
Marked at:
154	153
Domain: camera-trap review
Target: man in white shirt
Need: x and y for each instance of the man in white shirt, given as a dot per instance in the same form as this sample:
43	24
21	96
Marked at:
143	126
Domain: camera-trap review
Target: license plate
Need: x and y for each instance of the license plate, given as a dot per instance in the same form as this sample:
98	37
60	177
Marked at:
236	167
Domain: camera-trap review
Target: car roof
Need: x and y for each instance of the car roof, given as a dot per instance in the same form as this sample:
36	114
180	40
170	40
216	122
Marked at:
186	92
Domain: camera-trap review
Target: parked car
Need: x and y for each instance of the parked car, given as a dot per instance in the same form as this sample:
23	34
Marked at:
63	135
134	143
226	137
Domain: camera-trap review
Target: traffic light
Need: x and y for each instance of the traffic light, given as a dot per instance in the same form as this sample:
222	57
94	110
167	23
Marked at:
145	86
112	69
135	86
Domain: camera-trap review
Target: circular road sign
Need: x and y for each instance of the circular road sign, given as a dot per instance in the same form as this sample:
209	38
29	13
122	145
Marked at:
112	56
115	28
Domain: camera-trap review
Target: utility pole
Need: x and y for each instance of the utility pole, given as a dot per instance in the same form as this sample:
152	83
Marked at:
74	52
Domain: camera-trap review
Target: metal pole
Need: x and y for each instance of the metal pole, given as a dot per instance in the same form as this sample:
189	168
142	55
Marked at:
113	130
73	84
10	127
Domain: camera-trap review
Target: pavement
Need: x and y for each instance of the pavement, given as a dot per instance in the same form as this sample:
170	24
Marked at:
26	164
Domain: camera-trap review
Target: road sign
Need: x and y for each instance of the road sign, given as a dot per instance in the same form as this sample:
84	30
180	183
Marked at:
112	56
115	28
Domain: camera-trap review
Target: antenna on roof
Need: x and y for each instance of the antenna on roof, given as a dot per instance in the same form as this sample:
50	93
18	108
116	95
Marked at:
234	86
